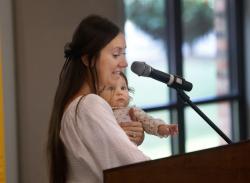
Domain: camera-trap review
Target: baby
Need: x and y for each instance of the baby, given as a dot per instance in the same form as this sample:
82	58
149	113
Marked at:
118	98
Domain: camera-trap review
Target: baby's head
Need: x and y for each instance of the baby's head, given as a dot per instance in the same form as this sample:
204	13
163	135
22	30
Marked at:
117	95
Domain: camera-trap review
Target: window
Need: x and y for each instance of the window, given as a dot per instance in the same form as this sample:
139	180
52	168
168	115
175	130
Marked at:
193	39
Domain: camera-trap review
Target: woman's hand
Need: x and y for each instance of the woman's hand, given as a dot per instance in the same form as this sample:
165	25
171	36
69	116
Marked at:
134	131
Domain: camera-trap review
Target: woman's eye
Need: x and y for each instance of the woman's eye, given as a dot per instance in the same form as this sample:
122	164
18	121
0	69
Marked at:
115	55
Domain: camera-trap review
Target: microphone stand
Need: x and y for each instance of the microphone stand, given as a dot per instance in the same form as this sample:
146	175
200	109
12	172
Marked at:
187	100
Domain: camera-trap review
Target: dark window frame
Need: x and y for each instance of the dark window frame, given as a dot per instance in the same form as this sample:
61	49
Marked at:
237	98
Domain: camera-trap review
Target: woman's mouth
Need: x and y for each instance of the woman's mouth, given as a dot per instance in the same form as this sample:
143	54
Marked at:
117	73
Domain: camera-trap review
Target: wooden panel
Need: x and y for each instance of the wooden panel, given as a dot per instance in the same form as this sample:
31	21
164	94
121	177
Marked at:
229	163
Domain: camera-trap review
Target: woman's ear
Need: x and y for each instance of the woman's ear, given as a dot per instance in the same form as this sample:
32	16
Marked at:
85	60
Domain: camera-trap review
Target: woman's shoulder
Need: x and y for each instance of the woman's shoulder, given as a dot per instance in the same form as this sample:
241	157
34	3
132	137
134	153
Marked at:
90	100
90	104
93	99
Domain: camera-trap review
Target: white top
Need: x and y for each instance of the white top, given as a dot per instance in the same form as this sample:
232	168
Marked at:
94	141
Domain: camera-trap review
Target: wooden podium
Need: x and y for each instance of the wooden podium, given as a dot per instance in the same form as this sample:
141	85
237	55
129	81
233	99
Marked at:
224	164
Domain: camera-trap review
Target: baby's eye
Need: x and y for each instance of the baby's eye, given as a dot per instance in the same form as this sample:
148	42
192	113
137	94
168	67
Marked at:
124	88
111	88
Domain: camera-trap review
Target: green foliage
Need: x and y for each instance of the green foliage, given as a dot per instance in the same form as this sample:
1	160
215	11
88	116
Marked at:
197	19
149	15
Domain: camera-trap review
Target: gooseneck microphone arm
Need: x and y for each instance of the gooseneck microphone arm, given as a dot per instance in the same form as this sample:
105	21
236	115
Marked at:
187	100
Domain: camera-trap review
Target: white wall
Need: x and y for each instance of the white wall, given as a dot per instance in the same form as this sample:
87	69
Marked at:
41	30
10	126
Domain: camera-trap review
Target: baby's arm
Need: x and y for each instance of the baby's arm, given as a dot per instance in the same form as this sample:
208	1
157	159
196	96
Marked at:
153	126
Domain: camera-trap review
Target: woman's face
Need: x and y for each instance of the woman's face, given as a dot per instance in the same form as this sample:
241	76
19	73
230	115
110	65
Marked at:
111	61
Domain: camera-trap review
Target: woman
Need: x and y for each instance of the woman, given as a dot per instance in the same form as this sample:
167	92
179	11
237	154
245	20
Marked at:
84	137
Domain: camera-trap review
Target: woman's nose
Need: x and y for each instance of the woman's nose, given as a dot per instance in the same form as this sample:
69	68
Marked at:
123	63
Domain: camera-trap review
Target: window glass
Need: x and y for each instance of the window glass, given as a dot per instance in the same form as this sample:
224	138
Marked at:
145	31
205	64
154	146
205	47
199	135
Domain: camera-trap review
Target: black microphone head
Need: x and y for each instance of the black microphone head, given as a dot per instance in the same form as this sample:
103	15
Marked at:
141	68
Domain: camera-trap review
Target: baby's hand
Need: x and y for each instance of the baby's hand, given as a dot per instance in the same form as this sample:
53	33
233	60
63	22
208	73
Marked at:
166	130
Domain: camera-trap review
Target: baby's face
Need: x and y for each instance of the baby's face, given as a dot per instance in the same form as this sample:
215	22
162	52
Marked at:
117	95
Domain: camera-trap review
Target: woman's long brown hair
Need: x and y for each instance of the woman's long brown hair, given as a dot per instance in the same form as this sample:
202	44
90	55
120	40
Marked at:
92	34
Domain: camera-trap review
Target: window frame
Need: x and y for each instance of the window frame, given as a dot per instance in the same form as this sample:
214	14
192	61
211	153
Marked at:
237	98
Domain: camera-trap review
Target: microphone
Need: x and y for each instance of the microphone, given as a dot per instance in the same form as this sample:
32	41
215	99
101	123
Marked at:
142	69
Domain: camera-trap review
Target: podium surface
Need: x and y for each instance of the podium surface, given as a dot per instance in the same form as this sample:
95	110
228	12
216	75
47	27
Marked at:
227	163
